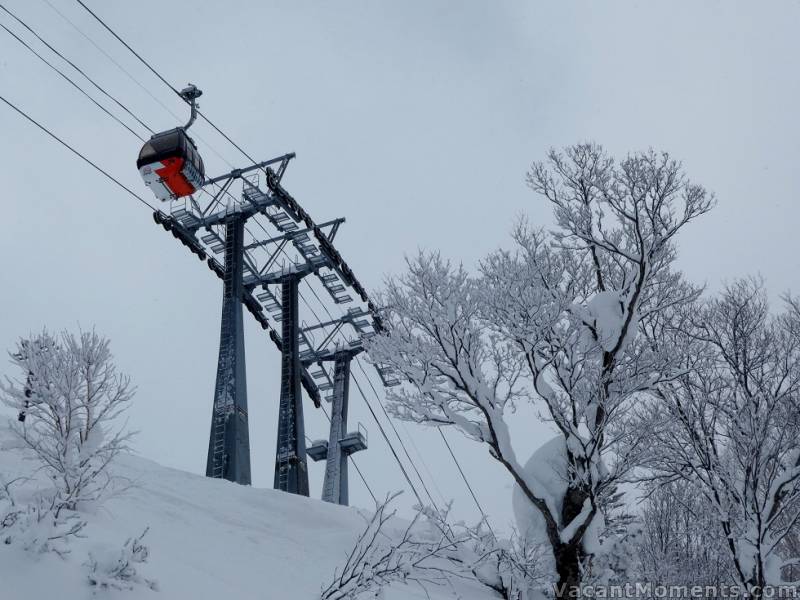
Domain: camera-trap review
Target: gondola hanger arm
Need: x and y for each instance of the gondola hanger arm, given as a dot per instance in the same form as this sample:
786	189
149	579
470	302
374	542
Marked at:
190	94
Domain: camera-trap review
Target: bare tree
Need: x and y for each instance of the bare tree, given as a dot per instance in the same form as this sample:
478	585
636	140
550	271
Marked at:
510	568
556	322
430	551
377	559
680	541
71	398
728	428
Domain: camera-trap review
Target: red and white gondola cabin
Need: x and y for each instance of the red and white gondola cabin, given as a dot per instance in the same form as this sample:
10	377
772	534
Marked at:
170	165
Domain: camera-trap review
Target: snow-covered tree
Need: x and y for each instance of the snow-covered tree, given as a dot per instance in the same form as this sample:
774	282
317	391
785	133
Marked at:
379	558
554	321
510	568
729	427
37	525
119	570
431	551
679	541
70	398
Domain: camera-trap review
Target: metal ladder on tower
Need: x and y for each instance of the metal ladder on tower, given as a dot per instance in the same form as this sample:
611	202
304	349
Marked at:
286	435
219	445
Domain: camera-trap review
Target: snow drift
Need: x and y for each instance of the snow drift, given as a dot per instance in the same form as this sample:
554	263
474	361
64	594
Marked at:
208	539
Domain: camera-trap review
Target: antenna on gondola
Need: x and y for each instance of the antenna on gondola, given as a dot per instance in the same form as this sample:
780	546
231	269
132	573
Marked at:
190	94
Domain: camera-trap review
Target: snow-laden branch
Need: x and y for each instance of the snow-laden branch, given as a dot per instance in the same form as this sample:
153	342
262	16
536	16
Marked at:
564	320
729	427
431	551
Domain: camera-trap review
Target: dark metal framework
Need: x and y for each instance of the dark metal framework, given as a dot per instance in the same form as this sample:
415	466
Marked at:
229	441
291	469
254	266
341	443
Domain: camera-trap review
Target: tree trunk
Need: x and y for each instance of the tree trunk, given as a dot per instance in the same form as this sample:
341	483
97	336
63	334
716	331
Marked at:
568	567
570	555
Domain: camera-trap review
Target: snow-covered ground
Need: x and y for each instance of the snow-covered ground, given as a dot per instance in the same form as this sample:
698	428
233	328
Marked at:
209	539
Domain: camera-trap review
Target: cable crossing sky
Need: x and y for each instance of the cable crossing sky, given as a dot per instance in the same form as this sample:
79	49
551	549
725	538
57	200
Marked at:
247	268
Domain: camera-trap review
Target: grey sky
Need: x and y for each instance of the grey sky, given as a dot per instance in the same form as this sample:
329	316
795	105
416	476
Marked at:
414	120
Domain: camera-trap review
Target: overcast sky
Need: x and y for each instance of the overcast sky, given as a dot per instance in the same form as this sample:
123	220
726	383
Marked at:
414	120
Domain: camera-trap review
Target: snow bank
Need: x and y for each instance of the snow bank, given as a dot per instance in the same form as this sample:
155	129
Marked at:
209	539
548	465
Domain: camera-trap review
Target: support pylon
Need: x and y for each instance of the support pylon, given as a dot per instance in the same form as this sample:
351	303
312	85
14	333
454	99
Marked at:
229	441
335	486
291	469
340	444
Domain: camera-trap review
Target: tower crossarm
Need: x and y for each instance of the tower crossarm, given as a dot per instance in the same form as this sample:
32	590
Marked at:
236	173
290	235
338	264
352	349
299	269
246	210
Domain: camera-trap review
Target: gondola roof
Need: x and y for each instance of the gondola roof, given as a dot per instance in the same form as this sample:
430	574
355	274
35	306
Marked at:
167	144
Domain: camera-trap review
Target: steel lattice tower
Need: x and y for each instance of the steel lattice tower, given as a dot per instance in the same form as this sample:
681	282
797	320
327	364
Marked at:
341	444
250	268
291	469
335	486
229	441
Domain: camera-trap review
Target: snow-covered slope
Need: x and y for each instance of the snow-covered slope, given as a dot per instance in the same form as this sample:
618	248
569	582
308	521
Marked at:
209	540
